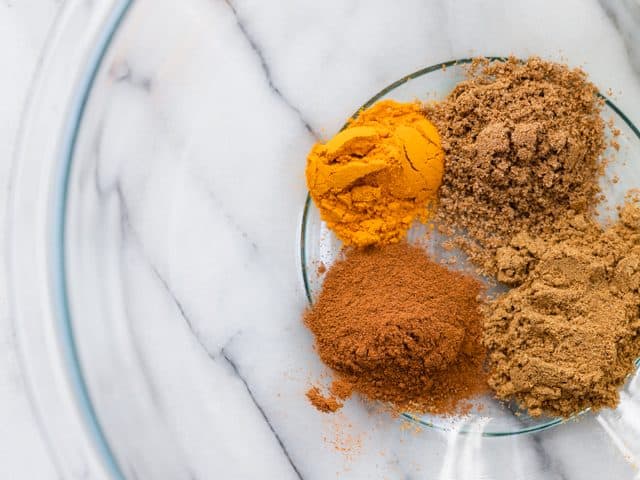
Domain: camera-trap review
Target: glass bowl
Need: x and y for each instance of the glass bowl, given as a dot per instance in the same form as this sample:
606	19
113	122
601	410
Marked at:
320	246
155	263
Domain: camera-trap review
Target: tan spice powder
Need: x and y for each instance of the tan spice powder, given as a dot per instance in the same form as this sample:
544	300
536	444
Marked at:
567	337
397	327
522	142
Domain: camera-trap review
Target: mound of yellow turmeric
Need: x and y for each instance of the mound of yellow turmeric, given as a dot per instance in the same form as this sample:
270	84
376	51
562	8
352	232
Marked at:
378	175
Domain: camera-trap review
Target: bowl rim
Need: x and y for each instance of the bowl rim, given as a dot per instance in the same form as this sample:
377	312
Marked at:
54	382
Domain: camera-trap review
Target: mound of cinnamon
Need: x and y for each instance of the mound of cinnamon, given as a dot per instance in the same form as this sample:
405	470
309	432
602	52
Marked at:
396	327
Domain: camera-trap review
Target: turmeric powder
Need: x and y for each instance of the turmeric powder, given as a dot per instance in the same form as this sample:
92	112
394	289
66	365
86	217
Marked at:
378	175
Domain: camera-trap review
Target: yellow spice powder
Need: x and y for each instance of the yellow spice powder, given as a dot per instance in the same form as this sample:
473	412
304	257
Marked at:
378	175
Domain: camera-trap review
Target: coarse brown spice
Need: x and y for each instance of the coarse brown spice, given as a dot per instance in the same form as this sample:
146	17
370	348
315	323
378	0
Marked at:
566	338
522	142
396	327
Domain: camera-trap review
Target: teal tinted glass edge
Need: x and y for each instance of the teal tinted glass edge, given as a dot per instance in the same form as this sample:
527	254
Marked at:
59	273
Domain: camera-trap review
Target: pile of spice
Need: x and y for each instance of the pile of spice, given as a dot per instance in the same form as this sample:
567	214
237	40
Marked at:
378	175
522	141
567	337
397	327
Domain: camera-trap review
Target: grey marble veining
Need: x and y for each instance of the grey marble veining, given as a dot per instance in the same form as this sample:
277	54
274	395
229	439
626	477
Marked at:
208	193
186	194
625	16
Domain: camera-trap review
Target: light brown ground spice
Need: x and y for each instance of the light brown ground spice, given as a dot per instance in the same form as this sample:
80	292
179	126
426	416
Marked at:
566	338
396	327
522	142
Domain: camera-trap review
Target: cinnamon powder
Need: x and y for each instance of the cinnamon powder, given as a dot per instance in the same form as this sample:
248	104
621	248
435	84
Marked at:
397	327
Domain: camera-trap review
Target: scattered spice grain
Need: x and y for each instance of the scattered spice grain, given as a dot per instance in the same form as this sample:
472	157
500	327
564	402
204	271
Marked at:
321	402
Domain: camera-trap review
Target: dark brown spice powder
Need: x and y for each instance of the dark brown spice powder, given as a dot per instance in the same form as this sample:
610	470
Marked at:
522	142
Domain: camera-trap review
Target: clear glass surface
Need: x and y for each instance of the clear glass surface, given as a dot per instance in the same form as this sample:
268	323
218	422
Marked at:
156	258
320	246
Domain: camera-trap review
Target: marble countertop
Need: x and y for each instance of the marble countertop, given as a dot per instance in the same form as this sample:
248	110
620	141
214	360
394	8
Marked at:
24	25
358	48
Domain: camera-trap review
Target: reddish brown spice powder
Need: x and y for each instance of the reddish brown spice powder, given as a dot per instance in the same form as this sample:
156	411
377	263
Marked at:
396	327
321	402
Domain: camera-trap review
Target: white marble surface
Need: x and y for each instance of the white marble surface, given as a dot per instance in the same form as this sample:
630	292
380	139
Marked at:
196	359
24	25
